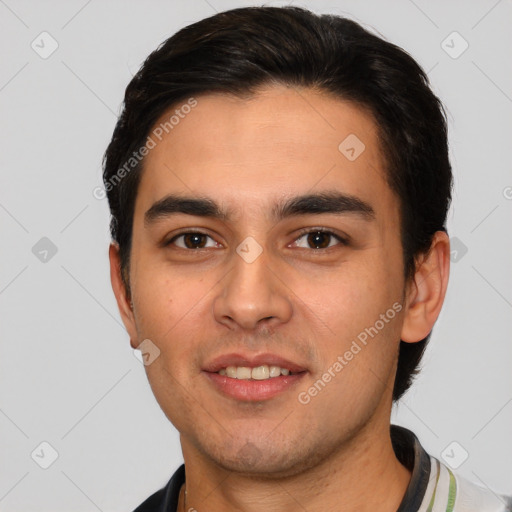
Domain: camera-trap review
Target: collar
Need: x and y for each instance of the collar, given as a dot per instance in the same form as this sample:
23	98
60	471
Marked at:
411	454
405	444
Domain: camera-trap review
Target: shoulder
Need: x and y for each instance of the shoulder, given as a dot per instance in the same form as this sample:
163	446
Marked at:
436	486
166	499
154	503
454	493
473	497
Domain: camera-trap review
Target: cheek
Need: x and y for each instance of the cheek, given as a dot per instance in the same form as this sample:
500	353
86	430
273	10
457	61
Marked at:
166	301
170	311
351	297
358	303
174	310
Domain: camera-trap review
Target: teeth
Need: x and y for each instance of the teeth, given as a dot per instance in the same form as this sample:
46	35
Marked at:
243	372
262	372
275	371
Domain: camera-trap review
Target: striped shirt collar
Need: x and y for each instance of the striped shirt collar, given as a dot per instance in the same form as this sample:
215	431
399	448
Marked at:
432	488
411	454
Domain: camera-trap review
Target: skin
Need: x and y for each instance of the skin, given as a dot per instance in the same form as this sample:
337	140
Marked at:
303	303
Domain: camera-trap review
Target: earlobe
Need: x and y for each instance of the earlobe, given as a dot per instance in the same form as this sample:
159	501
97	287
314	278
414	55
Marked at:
427	290
124	302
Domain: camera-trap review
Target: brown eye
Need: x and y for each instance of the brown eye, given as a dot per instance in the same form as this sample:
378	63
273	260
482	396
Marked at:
193	240
318	239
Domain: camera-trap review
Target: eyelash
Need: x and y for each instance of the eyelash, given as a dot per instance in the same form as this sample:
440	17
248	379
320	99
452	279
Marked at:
306	231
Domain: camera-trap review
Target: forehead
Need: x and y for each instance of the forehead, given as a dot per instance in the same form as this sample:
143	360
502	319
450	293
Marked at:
281	141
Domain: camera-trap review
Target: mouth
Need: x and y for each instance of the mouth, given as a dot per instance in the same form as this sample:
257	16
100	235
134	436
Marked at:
253	378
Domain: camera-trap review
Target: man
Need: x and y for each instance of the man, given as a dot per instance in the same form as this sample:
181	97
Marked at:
279	183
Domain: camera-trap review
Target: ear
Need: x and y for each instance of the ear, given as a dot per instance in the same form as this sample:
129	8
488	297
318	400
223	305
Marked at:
427	289
122	298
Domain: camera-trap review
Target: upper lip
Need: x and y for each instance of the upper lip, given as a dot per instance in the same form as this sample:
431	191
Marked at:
237	359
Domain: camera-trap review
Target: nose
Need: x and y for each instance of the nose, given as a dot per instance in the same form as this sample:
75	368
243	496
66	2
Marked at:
252	296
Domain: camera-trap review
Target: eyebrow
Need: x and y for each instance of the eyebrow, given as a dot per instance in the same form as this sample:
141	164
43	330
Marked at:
332	202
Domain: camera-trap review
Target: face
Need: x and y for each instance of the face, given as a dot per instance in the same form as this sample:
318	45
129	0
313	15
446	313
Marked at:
262	247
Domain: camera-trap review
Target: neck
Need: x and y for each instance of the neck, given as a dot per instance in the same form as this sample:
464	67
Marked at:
363	475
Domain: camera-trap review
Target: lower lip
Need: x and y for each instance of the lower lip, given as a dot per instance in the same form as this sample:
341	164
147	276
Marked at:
253	390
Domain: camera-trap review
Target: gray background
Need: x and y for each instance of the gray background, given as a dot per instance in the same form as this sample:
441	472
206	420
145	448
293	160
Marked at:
68	374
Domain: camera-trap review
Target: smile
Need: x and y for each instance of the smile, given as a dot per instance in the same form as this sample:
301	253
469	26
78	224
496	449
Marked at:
262	372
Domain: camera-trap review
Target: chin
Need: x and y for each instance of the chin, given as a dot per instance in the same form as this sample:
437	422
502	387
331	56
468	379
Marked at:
265	461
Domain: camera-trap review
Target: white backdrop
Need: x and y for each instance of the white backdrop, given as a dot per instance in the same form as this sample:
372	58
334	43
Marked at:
68	376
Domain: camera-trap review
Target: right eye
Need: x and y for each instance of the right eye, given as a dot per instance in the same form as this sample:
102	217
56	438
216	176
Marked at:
193	240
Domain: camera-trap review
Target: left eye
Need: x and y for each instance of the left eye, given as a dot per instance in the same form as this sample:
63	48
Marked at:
193	241
317	240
